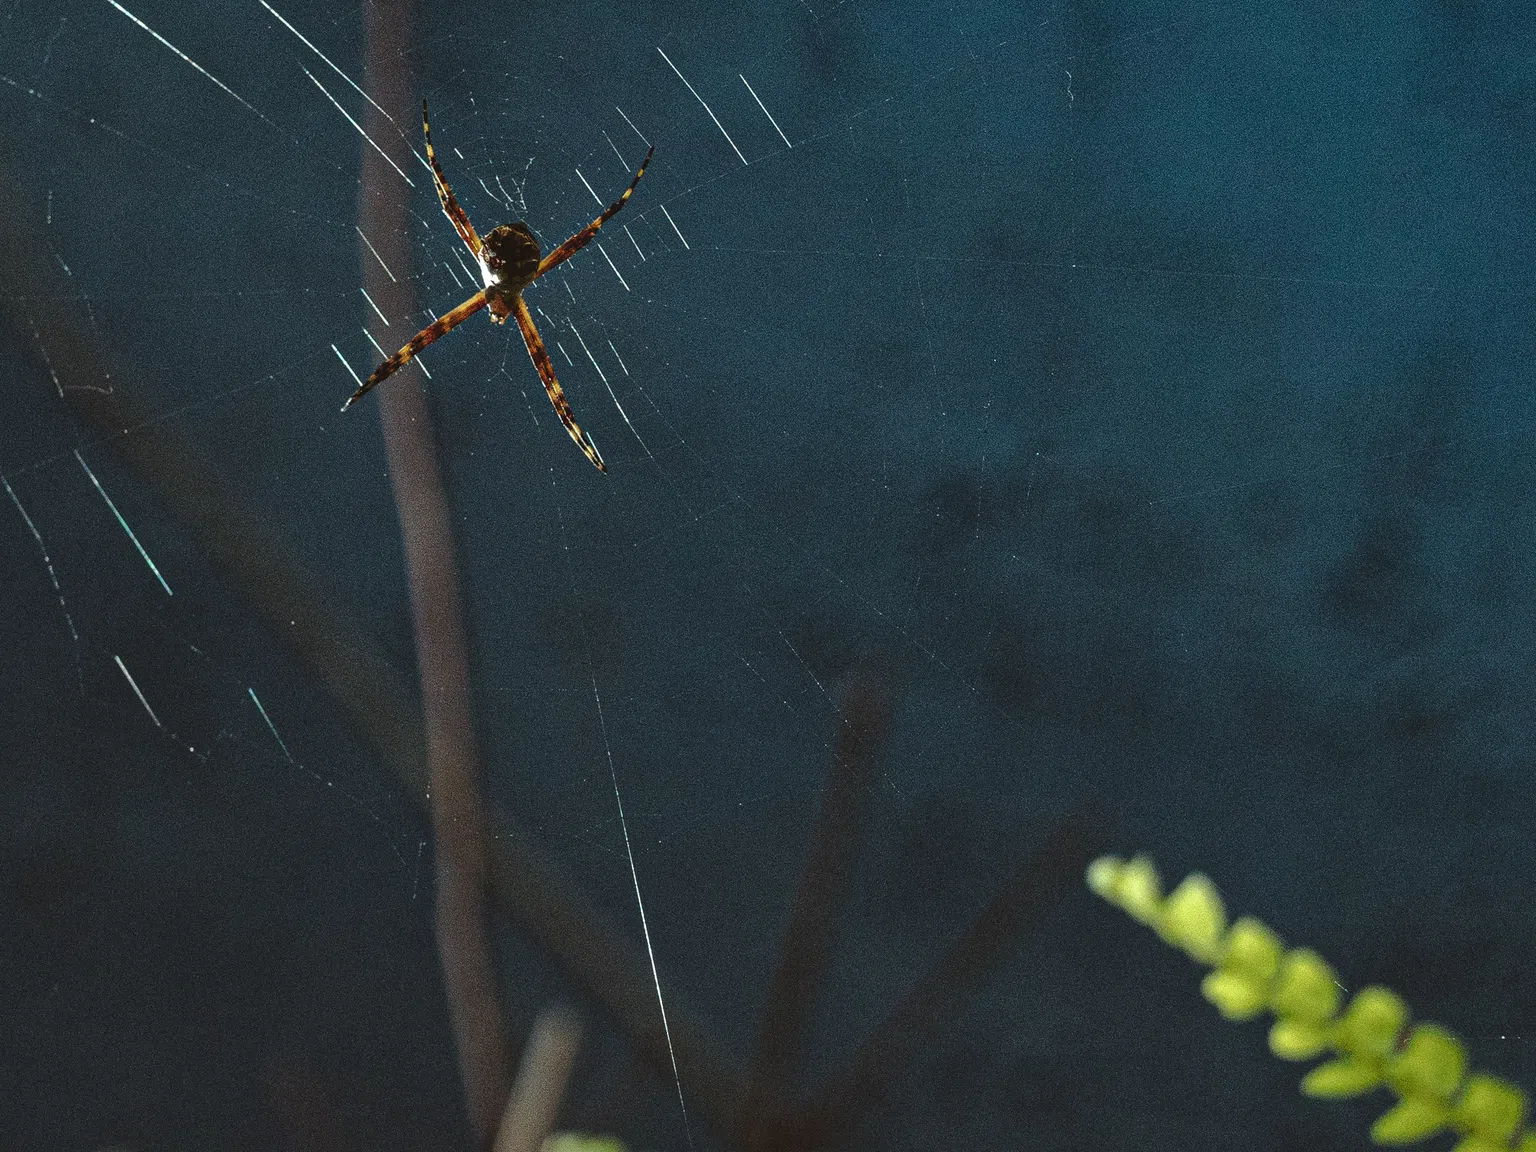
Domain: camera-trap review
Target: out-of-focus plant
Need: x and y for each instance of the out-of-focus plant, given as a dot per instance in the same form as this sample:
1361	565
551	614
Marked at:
1367	1044
581	1142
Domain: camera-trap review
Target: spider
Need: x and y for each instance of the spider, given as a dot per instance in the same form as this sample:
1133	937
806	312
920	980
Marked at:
509	261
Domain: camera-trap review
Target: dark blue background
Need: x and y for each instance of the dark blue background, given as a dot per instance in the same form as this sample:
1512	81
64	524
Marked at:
1143	389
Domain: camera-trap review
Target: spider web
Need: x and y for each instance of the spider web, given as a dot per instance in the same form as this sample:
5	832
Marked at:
1135	396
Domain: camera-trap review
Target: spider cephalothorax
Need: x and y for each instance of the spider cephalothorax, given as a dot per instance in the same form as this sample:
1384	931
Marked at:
509	262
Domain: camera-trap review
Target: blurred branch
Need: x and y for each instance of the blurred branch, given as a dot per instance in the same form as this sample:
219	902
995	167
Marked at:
1040	883
534	1105
817	908
442	651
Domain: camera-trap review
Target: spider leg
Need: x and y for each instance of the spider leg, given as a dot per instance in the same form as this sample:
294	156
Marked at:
444	324
579	241
540	358
451	208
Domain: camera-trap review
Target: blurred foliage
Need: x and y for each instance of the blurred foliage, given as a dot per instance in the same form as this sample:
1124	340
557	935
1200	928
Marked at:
582	1142
1369	1043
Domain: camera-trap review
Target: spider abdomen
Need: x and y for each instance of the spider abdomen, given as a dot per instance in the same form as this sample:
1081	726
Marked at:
509	260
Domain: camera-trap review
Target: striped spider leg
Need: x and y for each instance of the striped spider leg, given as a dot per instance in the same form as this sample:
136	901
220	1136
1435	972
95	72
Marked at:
579	241
509	260
456	215
540	357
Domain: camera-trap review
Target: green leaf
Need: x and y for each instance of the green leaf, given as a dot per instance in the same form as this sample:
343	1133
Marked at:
1413	1119
1338	1079
1431	1065
1490	1107
1372	1022
1298	1039
1237	995
1194	919
1306	988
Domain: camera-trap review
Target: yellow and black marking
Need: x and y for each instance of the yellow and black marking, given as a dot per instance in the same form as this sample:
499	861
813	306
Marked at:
579	241
451	208
540	358
440	327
